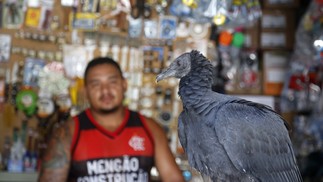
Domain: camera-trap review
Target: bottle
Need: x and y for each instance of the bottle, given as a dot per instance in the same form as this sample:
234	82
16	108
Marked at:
29	158
35	152
5	153
15	163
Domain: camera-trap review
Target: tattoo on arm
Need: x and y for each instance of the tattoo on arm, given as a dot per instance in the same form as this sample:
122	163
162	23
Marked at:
55	163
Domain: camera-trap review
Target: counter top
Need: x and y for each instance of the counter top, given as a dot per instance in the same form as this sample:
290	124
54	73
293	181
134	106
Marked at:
18	177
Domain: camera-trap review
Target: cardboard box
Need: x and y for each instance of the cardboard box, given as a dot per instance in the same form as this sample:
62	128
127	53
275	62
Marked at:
275	65
277	29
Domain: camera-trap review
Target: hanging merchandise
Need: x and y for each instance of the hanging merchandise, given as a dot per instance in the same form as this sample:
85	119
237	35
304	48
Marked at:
190	3
114	14
32	69
179	9
12	89
190	10
150	29
27	101
249	71
182	30
235	57
17	150
197	13
108	5
77	96
199	30
212	9
306	60
153	58
5	45
135	25
33	16
46	11
222	13
5	152
52	82
45	106
84	21
52	79
301	96
315	124
238	39
13	13
217	10
167	27
309	40
141	9
160	6
165	112
64	104
224	40
245	11
75	60
239	66
30	156
89	6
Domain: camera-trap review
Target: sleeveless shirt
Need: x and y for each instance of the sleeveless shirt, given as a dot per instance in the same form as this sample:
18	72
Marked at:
123	155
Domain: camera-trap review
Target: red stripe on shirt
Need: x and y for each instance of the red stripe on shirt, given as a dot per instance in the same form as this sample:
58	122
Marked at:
102	129
94	144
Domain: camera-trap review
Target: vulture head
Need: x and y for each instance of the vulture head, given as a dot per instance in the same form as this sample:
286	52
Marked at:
179	68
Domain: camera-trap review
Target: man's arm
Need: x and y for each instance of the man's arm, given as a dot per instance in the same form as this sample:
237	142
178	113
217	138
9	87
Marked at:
56	159
164	159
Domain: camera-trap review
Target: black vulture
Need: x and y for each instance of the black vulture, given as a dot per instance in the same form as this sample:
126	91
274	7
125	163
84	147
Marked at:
225	137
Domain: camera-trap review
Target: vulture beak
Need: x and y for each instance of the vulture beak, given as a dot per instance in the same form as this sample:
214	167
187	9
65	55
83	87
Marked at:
165	74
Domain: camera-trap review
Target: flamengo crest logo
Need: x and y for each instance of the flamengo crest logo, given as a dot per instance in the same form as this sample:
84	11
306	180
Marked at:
137	143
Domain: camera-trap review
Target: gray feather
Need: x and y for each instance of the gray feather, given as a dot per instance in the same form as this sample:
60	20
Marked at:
227	138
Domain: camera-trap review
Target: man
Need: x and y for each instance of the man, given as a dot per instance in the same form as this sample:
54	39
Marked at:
108	142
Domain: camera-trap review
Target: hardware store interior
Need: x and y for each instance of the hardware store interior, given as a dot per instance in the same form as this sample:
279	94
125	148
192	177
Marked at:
267	51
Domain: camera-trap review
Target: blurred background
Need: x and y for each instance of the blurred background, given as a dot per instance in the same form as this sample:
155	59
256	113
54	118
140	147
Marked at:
267	51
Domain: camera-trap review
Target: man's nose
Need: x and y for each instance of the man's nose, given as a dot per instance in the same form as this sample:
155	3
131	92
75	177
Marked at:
105	87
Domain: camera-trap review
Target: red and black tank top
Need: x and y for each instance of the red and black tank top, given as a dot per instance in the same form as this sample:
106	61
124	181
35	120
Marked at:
123	155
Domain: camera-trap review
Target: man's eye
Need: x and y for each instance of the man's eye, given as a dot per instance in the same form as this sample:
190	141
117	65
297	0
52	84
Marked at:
114	81
94	84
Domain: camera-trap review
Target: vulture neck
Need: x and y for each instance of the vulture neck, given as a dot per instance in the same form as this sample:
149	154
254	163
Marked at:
194	86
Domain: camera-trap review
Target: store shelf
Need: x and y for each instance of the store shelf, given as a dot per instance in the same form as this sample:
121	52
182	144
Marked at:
18	177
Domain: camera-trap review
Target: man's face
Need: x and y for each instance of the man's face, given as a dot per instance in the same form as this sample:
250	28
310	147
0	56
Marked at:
105	88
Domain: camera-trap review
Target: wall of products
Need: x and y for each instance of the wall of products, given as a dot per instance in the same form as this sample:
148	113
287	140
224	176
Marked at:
45	45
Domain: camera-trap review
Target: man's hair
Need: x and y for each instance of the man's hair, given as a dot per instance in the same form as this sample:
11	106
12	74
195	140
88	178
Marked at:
101	60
